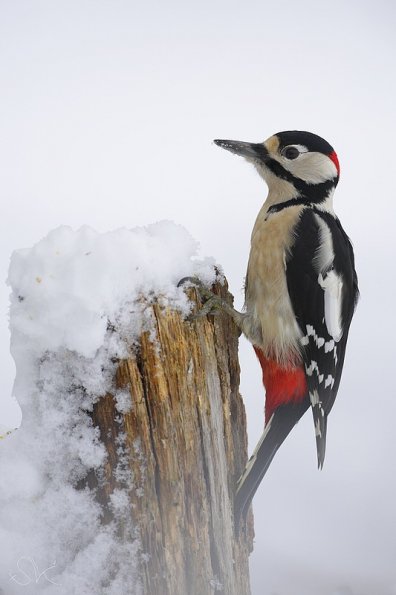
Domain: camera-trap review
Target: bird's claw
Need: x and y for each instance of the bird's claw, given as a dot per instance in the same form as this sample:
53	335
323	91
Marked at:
203	291
191	280
211	303
211	306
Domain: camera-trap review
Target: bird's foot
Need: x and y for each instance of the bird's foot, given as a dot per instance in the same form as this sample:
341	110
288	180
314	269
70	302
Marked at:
211	303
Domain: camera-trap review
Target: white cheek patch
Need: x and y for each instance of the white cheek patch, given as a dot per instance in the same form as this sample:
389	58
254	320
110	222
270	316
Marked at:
312	167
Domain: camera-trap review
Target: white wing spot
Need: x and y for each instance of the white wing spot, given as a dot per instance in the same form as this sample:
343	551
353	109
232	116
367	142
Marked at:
313	367
314	398
309	369
332	287
328	279
324	256
319	341
329	381
329	345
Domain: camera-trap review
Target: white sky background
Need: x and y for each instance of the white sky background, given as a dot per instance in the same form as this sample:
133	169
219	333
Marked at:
107	113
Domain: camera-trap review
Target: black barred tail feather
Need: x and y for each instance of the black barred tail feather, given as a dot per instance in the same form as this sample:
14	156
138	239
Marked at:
277	429
320	422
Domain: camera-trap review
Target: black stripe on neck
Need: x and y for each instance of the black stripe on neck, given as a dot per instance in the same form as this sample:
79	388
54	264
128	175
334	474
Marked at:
293	202
289	203
309	193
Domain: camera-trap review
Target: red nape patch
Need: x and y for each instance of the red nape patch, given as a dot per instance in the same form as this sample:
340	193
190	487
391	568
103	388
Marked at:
282	385
334	158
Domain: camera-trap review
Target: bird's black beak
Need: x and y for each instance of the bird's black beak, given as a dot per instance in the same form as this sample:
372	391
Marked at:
248	150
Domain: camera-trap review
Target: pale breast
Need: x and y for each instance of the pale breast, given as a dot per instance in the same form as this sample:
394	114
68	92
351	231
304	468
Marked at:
270	322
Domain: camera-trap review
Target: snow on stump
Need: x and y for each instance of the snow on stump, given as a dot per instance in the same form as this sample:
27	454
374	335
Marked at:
122	475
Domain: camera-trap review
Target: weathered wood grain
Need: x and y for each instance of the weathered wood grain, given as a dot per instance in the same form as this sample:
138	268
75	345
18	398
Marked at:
186	445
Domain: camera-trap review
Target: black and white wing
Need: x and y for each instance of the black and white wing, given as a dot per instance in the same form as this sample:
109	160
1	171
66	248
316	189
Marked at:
322	284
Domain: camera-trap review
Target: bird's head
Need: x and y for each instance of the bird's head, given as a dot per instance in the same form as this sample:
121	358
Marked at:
294	163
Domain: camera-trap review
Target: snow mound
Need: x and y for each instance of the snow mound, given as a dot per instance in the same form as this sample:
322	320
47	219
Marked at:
79	300
71	283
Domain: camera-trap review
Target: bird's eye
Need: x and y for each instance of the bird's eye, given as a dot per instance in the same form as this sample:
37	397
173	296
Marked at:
290	152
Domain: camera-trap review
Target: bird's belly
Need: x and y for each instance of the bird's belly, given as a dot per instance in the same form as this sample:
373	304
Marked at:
270	312
268	306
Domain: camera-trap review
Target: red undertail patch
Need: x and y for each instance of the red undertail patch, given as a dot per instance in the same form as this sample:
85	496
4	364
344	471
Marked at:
282	385
334	158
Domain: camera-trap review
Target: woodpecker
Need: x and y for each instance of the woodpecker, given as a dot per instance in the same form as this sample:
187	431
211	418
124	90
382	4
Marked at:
301	291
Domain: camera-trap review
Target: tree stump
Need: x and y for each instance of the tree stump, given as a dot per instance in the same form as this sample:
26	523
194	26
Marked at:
186	445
